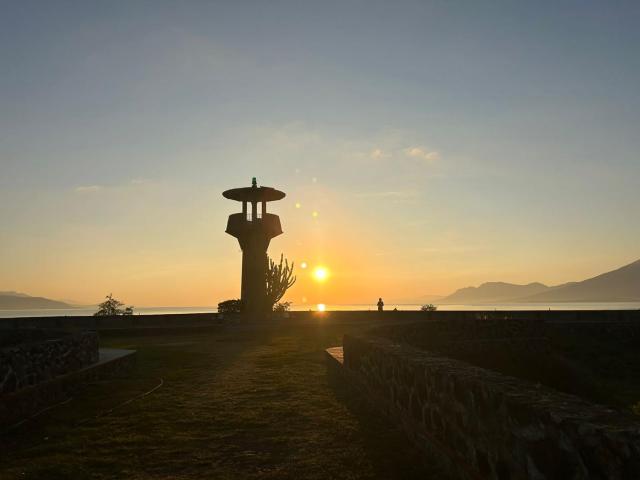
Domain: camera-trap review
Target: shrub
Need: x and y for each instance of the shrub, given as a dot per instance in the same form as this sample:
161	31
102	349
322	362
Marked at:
429	307
282	307
111	307
230	306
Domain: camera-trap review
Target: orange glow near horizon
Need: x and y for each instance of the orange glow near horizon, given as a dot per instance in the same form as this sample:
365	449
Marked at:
349	259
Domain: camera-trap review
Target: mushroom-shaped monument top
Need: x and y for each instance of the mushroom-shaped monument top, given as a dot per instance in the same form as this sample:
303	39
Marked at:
254	194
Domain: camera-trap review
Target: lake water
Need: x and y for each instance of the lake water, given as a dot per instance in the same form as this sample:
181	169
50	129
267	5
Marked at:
329	307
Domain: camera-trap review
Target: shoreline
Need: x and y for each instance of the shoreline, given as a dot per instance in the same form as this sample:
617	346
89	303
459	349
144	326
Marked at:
521	307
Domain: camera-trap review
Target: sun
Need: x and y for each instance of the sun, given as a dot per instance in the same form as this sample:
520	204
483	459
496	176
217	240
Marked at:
320	274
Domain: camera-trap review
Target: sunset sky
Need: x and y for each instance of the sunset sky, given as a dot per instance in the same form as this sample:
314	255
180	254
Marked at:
442	144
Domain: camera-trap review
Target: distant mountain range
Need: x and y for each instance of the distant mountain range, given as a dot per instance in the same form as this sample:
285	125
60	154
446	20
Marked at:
21	301
621	285
494	292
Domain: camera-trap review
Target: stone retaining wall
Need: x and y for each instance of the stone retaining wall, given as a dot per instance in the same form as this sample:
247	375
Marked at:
23	403
208	319
488	425
71	323
459	336
28	364
613	330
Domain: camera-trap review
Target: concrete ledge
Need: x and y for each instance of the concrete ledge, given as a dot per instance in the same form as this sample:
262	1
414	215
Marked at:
28	401
335	355
334	358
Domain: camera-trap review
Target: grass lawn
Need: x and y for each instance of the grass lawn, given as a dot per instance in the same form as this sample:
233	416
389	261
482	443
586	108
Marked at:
237	404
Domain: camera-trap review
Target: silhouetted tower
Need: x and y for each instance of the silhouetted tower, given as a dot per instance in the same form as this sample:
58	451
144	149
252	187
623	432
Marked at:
254	230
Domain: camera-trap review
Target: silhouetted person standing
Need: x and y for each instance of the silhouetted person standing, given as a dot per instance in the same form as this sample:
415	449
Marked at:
380	304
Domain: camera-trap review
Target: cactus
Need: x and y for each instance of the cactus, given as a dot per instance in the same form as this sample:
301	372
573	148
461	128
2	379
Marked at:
279	279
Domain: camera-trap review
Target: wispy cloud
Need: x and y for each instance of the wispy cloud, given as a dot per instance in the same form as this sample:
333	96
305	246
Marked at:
387	194
89	188
140	181
378	153
130	184
449	249
422	153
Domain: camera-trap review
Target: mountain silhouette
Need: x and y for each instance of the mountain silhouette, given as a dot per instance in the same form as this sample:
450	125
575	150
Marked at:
621	285
494	292
21	301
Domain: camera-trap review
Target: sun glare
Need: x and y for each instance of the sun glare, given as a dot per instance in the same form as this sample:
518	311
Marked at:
321	307
320	274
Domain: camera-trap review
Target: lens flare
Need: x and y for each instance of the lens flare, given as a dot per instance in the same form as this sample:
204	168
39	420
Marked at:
320	274
321	307
303	265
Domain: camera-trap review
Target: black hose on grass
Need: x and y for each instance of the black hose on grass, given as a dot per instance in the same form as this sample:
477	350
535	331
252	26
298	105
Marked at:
85	420
37	414
111	410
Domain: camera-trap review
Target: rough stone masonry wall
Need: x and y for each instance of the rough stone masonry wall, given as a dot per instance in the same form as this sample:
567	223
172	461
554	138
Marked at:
74	323
627	331
488	425
474	335
28	364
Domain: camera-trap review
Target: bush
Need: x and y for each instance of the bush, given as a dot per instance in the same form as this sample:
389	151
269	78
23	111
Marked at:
111	307
282	307
230	306
429	307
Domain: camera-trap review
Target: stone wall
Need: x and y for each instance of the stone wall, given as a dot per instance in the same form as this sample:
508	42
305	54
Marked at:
487	425
25	402
613	330
33	362
470	335
205	320
90	322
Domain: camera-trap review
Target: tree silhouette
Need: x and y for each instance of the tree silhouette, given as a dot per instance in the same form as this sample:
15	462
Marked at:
279	279
111	307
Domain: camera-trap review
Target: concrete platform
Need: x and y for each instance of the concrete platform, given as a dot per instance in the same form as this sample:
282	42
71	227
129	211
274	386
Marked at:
334	359
335	354
108	355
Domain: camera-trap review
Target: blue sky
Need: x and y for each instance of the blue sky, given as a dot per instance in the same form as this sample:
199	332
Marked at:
447	143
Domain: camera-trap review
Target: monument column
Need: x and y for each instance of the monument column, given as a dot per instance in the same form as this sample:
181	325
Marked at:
254	236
